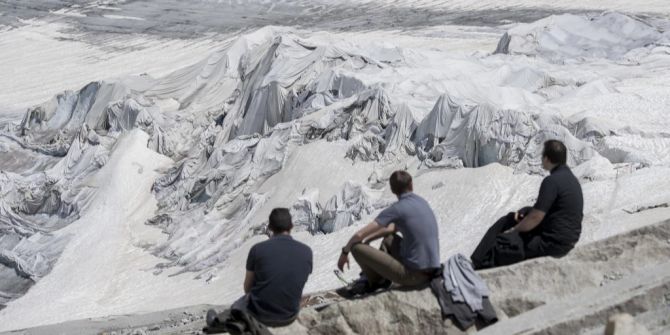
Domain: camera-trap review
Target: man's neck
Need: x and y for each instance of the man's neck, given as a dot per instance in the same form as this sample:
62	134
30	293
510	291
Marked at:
286	233
404	193
553	167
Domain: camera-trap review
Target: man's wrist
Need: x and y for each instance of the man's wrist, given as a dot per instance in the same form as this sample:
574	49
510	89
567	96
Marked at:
345	251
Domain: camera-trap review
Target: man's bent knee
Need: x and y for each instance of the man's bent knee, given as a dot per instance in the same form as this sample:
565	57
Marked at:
357	248
361	251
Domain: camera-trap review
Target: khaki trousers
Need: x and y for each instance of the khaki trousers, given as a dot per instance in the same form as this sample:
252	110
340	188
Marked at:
384	263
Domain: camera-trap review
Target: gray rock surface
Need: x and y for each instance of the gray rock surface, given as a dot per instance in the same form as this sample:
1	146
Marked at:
542	296
624	324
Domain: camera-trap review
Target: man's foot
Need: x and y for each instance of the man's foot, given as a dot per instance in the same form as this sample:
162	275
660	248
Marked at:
214	325
361	288
382	286
212	330
212	318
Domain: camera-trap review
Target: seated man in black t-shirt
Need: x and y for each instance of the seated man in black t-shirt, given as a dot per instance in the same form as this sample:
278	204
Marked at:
550	228
277	270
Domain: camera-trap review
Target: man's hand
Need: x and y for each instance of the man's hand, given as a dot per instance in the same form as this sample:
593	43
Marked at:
358	237
344	259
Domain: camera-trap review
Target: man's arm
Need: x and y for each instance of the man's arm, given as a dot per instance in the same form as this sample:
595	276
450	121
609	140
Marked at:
367	231
390	229
251	266
530	221
545	199
370	229
248	281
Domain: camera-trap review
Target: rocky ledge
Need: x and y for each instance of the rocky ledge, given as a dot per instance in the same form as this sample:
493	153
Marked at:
576	294
572	295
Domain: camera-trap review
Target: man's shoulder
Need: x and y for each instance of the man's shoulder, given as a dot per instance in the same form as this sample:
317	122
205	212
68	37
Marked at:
420	198
276	243
417	199
263	245
304	248
412	197
561	177
554	178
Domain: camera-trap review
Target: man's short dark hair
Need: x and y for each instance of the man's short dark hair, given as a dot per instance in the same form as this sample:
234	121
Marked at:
401	182
280	220
555	151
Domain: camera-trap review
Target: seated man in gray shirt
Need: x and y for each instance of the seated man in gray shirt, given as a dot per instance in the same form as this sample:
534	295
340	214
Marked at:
410	260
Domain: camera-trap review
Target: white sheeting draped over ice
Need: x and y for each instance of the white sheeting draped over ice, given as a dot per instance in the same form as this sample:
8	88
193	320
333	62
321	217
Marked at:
564	37
316	122
343	209
475	134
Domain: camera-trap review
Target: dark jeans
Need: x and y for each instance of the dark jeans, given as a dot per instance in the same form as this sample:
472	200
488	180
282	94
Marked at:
242	304
498	248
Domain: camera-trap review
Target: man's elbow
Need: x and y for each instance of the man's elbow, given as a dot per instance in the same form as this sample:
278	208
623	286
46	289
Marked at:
364	232
537	216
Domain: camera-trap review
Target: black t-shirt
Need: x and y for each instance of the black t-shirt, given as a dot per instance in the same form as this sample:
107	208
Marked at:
561	199
281	266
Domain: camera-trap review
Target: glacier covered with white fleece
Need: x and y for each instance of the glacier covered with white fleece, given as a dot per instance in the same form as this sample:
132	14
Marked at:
166	182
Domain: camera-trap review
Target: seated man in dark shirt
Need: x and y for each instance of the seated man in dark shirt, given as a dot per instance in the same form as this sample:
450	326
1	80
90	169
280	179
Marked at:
277	270
410	260
550	228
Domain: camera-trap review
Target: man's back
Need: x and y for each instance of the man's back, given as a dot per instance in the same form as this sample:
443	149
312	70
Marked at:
412	215
281	266
562	200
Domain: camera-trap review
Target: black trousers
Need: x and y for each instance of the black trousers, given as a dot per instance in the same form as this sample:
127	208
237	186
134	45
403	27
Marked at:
499	249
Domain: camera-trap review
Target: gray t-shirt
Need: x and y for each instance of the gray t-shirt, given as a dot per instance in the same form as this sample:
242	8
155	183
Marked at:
413	217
